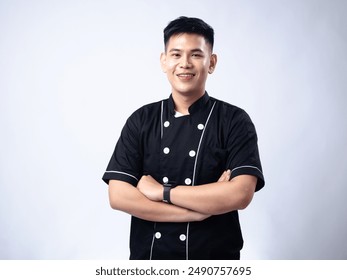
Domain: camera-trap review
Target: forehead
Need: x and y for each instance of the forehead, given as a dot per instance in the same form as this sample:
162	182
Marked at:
187	41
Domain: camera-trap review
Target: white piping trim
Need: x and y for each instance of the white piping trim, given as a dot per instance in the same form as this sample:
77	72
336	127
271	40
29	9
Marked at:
248	166
150	255
161	136
202	135
122	173
187	237
193	181
161	120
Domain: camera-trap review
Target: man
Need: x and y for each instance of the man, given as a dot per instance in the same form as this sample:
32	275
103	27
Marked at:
184	166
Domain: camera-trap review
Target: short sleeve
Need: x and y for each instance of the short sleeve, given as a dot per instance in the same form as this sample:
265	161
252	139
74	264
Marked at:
243	153
126	161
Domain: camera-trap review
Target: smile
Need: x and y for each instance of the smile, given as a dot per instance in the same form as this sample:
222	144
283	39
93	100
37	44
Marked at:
186	76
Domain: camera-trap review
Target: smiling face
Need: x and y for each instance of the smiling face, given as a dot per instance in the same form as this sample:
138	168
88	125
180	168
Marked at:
187	61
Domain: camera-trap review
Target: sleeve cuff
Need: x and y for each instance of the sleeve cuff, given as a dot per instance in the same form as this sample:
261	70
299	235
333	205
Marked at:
250	170
121	176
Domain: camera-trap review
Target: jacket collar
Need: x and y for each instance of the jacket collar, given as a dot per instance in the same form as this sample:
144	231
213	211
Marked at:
195	107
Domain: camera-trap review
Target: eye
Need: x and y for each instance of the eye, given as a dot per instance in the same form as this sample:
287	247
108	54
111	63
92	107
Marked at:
175	55
197	55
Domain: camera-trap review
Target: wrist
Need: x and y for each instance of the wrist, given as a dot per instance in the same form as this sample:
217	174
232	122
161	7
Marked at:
167	192
160	192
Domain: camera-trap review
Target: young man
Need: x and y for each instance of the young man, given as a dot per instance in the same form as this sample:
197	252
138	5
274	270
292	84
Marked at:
184	166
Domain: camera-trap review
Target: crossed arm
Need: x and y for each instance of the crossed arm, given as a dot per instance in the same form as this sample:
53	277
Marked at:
189	203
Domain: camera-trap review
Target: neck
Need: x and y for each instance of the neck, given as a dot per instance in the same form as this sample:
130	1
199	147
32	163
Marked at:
183	102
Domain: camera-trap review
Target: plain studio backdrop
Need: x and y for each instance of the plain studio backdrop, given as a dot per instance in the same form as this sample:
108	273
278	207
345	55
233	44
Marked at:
71	73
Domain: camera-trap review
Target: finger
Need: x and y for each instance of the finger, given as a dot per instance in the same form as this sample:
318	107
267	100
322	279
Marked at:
222	177
225	176
228	175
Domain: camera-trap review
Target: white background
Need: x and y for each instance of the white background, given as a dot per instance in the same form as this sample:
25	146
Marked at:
71	72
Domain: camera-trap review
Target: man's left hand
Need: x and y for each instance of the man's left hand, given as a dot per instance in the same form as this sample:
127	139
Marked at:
149	187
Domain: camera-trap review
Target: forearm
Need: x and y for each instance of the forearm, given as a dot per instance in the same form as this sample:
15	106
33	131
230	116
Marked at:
126	198
216	198
163	212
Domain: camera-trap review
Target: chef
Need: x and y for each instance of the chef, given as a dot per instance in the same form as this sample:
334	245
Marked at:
184	166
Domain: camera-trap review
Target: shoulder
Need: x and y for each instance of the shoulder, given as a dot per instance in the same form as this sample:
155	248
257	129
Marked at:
142	117
229	111
146	112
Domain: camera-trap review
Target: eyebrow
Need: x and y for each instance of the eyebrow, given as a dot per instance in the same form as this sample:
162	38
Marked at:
193	50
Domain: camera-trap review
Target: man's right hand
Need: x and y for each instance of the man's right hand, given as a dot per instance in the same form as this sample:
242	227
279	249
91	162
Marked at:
225	176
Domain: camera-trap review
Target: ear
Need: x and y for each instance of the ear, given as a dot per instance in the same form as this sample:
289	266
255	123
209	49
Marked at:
163	61
213	63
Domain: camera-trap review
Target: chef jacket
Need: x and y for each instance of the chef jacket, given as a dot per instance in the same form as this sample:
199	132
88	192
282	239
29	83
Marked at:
191	150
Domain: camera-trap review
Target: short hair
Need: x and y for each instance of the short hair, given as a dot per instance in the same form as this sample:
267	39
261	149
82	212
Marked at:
189	25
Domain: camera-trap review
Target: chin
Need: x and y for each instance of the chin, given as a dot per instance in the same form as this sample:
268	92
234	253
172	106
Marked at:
186	90
190	92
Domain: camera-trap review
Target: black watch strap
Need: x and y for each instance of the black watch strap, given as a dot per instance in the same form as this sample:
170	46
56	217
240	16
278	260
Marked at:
166	194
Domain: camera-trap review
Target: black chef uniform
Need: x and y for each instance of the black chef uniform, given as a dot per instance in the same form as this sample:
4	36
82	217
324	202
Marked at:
191	150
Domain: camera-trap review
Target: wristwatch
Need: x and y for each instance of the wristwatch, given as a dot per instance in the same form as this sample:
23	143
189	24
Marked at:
166	192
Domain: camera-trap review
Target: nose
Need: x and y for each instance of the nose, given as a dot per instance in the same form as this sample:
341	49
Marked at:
185	61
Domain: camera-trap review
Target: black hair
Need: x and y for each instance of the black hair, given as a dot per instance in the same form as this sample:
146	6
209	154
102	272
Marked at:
189	25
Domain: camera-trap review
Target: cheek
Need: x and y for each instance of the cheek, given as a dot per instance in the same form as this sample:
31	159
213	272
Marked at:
203	66
171	65
203	71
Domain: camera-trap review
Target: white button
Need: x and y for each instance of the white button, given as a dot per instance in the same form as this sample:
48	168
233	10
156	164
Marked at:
166	124
166	150
192	153
188	181
201	126
157	235
165	180
183	237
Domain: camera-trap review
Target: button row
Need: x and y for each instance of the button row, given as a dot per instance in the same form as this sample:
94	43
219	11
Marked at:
187	181
200	125
182	237
192	153
166	151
